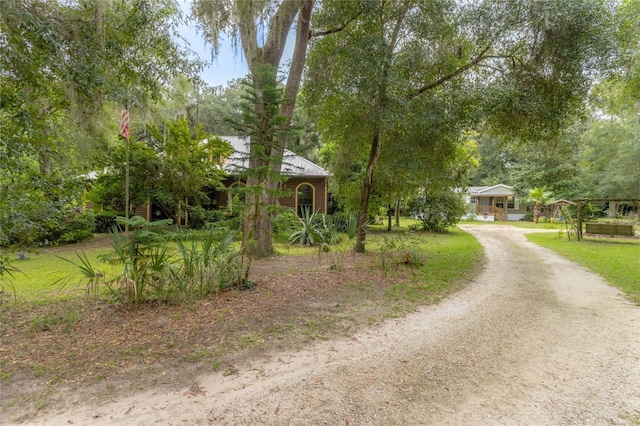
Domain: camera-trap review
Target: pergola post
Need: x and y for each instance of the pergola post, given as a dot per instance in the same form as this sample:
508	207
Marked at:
579	220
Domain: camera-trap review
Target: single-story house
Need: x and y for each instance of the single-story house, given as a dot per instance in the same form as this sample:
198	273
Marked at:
307	183
497	202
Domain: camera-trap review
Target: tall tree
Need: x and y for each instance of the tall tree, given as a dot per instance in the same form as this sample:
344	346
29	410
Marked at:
219	107
245	21
64	65
495	160
612	137
522	67
556	164
612	156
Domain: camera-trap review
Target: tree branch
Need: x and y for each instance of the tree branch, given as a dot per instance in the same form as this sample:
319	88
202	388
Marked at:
299	57
452	75
334	30
278	30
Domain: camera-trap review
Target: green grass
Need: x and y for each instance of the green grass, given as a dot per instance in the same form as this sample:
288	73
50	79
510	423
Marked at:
447	257
42	275
616	260
450	261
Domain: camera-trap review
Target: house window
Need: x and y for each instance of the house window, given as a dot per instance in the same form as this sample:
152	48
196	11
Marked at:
511	203
235	195
473	200
304	199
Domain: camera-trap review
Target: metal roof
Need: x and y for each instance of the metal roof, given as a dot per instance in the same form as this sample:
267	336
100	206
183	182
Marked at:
499	190
292	163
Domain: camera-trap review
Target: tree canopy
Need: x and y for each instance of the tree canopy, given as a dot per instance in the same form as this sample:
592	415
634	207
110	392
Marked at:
404	80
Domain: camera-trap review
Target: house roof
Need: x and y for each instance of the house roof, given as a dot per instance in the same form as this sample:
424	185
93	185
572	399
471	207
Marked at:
292	163
490	191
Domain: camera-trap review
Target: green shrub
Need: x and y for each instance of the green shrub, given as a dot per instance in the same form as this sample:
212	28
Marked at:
71	227
283	224
403	249
104	222
195	265
437	212
53	227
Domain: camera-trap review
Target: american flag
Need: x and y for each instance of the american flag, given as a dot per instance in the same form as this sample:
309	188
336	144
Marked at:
124	123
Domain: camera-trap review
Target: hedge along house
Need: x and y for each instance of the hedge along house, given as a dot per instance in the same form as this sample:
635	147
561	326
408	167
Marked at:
491	203
306	183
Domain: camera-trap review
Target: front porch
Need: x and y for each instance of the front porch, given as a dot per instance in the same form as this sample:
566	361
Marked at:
491	208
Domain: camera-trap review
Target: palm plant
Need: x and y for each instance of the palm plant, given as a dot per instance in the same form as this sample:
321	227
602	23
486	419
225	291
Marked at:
6	276
539	197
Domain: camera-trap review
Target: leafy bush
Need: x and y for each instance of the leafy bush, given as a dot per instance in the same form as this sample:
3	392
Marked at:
403	249
437	212
283	224
104	222
199	217
46	228
71	227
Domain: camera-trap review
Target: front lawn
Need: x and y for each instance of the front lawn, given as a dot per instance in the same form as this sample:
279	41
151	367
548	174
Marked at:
617	260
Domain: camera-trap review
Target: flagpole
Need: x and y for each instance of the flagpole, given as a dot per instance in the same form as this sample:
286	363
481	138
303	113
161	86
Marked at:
126	187
124	131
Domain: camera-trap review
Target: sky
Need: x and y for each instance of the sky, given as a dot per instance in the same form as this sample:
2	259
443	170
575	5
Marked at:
228	64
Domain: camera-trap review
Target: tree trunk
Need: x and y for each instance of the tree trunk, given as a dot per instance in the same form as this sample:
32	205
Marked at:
397	212
256	236
367	184
257	242
613	209
376	143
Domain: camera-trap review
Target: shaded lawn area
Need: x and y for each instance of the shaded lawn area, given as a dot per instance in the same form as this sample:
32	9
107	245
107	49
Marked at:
617	260
58	350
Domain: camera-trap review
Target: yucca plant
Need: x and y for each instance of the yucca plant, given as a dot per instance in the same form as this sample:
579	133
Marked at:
308	231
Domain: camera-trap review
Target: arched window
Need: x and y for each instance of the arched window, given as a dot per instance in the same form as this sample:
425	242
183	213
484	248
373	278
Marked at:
234	194
304	199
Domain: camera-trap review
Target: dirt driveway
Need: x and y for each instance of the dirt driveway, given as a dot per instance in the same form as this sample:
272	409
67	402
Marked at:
534	340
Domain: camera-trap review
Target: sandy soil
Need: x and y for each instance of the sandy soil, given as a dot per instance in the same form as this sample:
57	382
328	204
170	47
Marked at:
534	339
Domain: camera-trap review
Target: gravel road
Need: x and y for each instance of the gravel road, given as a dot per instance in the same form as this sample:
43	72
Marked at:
534	340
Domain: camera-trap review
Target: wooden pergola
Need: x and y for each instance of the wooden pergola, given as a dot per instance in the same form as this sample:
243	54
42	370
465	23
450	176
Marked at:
580	203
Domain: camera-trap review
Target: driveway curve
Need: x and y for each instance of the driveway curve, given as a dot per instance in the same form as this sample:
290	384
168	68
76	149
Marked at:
534	339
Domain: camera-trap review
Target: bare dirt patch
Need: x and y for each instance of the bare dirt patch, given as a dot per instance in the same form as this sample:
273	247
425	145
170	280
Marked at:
57	355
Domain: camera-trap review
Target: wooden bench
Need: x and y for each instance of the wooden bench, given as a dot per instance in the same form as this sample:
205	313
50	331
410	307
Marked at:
610	229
